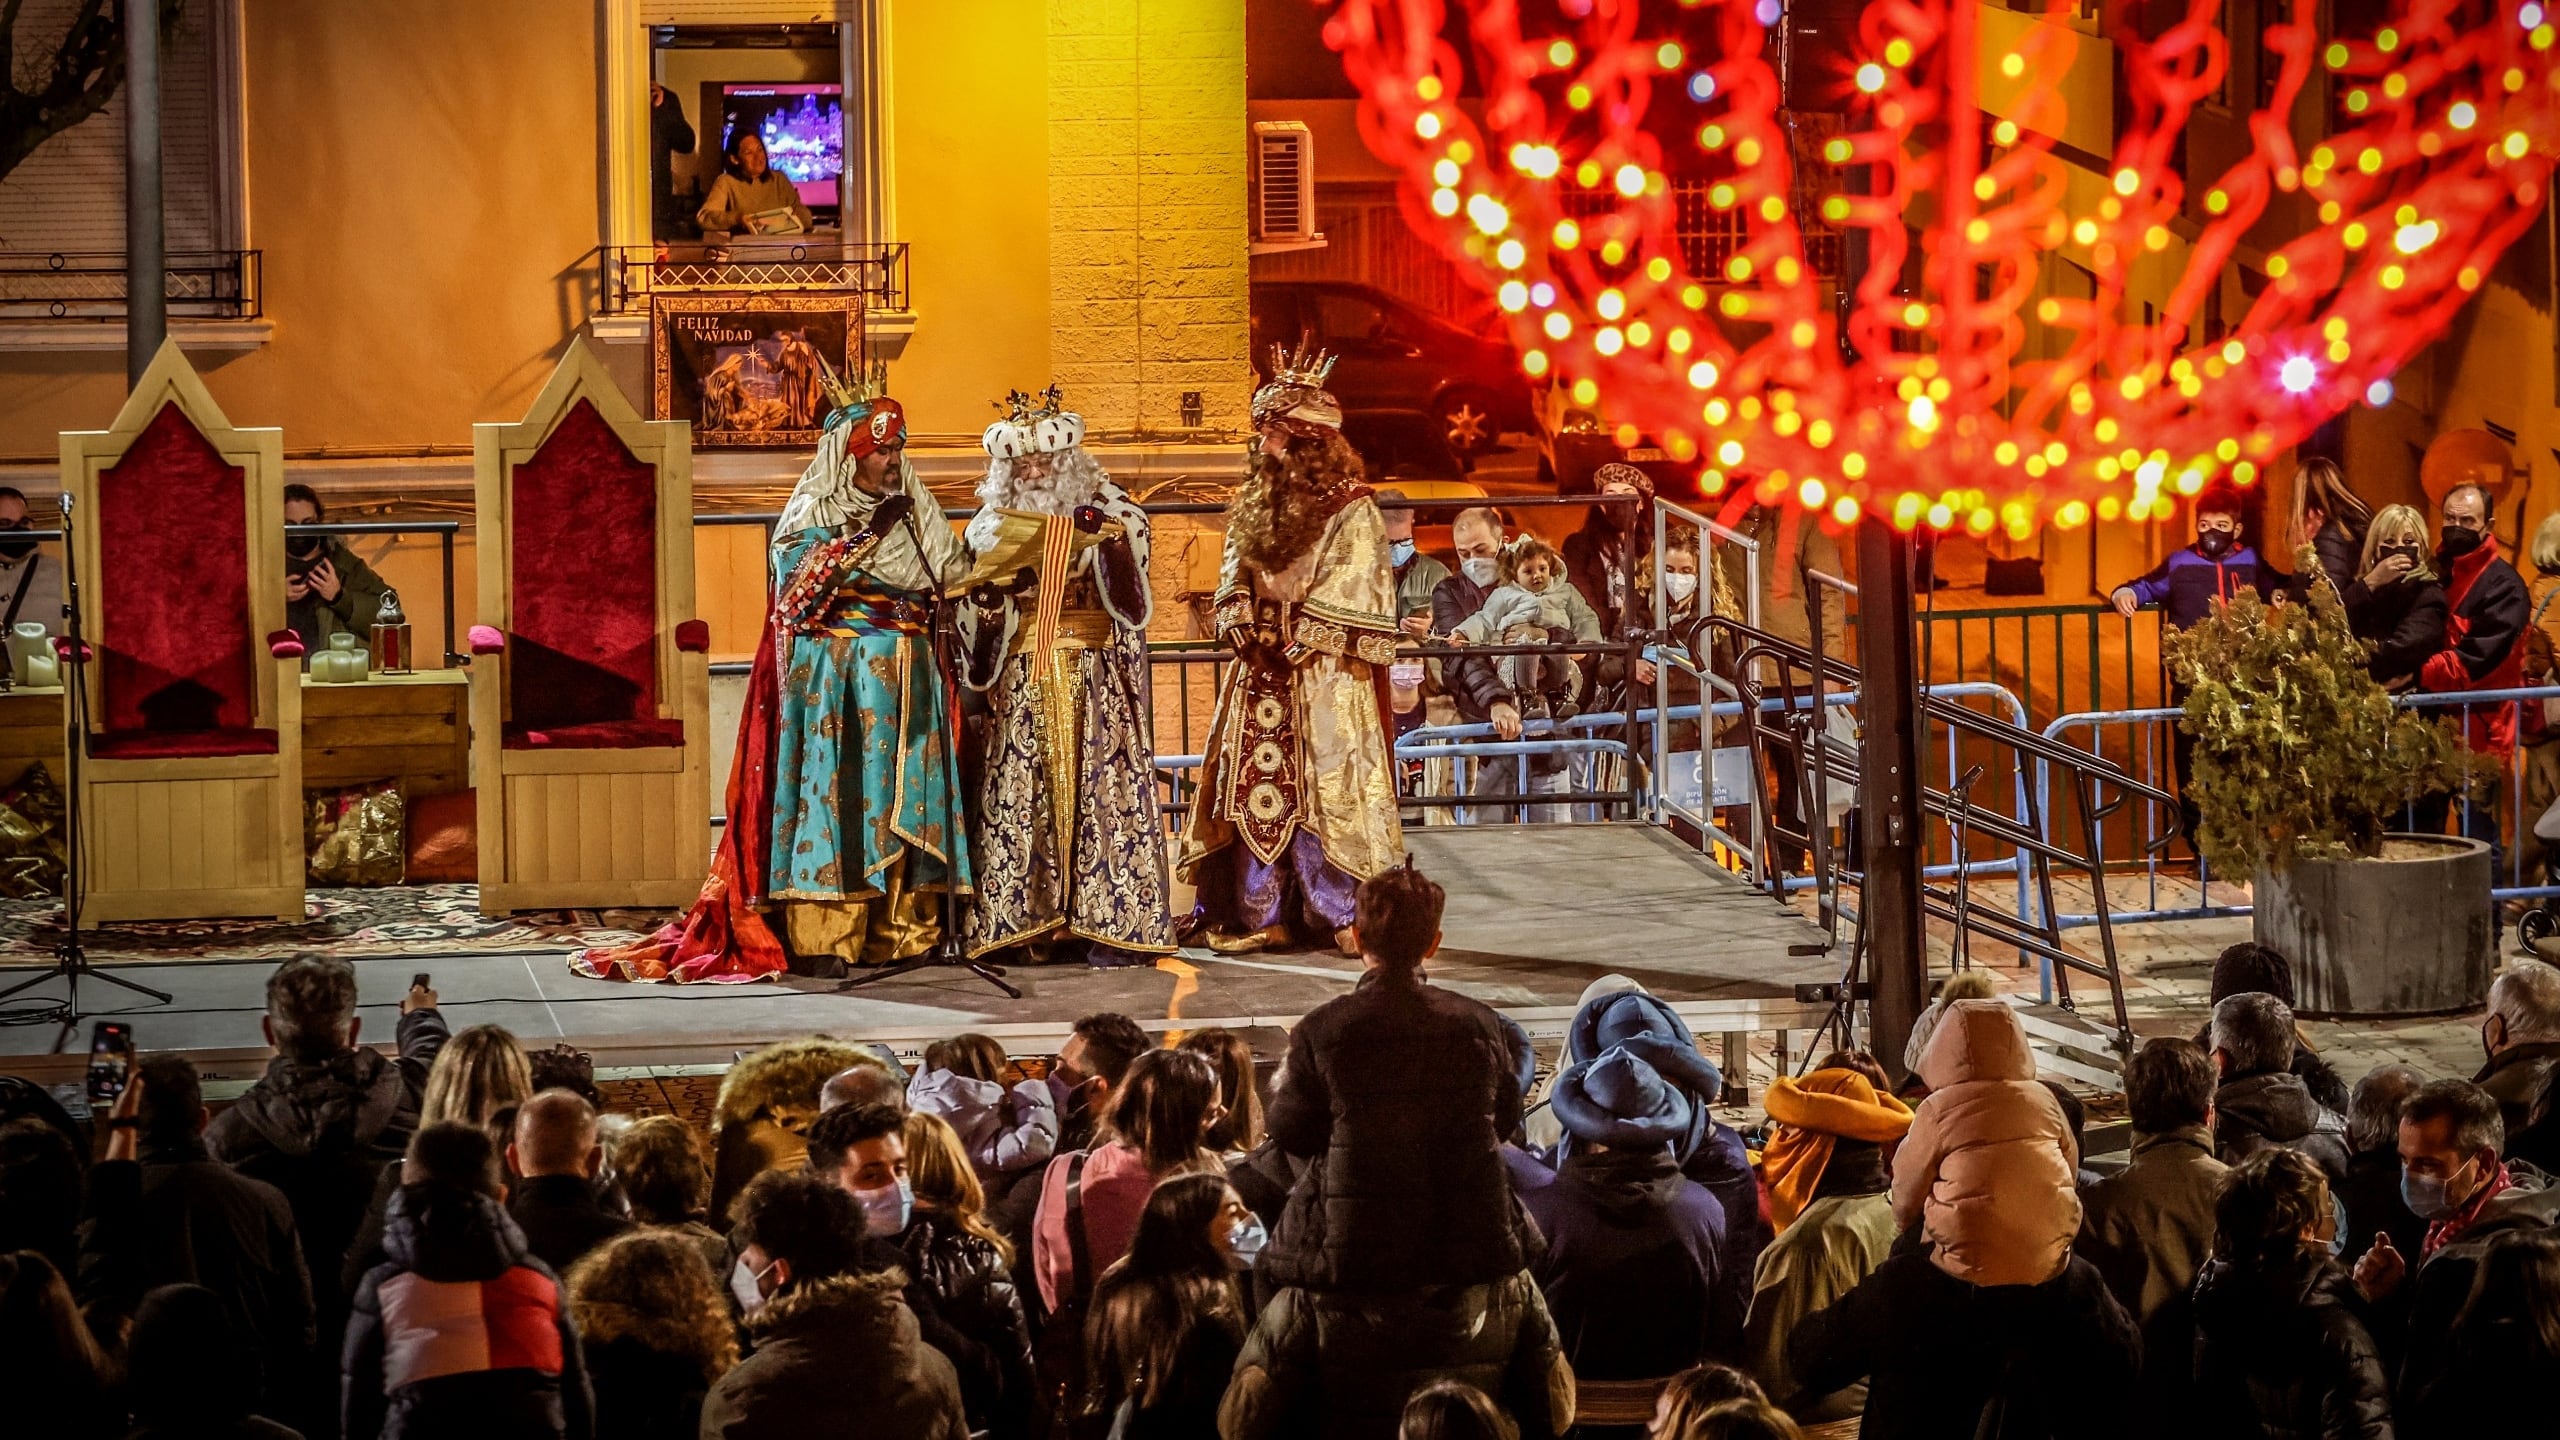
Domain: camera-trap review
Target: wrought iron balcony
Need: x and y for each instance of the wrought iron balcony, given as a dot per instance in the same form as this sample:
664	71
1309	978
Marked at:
631	274
90	285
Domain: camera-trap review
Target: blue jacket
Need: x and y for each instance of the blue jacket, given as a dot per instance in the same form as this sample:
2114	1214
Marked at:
2188	584
1633	1269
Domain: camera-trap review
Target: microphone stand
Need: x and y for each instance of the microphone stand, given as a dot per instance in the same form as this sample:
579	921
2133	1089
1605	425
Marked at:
71	961
947	950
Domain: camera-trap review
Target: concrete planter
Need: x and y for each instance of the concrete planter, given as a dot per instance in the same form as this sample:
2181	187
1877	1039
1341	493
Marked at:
2404	933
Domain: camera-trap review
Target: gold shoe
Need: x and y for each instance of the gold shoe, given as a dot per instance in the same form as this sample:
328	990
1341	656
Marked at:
1347	941
1221	943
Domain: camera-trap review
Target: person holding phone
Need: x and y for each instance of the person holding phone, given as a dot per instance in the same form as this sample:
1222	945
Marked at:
327	590
749	187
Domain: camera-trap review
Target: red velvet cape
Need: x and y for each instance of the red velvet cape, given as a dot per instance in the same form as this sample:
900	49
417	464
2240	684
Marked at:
723	939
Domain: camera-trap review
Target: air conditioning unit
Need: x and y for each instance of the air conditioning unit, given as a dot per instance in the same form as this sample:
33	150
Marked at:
1284	184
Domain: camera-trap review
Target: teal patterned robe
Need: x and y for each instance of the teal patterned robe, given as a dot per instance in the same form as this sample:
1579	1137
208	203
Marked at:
864	771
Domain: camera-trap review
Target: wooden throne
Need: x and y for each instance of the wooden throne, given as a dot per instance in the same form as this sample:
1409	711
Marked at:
191	774
590	685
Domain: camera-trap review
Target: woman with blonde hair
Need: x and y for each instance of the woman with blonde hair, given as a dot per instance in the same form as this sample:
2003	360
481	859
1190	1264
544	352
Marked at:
2396	604
655	1329
2332	519
952	1251
479	1078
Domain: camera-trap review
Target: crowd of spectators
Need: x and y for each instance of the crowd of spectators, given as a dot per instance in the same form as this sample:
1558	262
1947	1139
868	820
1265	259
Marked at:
1417	1236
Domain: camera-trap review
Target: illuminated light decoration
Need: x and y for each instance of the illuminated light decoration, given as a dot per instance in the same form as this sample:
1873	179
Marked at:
2443	168
2378	394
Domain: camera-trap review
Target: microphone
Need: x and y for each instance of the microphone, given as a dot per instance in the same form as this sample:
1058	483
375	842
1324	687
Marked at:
66	502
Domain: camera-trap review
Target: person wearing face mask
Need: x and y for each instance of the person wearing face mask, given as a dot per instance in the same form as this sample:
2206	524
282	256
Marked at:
2281	1344
1476	683
327	590
1168	1318
832	1337
2187	587
2483	649
862	1150
1417	575
30	580
2455	1175
2396	603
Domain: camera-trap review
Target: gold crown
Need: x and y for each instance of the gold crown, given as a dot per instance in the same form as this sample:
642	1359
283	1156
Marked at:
1025	409
1308	366
849	395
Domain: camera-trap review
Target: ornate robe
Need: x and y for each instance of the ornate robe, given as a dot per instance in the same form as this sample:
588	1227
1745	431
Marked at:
1297	748
1065	834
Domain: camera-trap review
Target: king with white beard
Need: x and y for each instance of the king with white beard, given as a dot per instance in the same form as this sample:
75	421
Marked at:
1069	847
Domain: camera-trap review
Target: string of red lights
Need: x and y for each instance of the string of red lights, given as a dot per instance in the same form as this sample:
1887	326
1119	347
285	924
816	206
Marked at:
1552	193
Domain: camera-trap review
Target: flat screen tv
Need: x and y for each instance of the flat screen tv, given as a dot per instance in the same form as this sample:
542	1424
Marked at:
802	127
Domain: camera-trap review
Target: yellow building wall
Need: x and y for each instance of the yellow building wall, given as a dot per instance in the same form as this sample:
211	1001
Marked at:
427	209
1146	210
970	157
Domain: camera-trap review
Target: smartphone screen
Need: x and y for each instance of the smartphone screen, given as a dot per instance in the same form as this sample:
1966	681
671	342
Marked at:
110	1059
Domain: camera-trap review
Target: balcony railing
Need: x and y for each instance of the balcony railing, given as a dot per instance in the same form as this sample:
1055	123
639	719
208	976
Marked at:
90	285
808	264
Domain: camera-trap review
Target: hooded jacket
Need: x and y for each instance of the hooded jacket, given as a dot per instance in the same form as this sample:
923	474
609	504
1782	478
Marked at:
2281	1353
2188	584
833	1354
1002	1130
1633	1266
2276	1111
462	1331
1989	1164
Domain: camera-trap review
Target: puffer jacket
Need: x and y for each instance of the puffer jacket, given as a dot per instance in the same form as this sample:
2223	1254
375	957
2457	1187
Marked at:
461	1331
1340	1367
976	1296
1989	1165
1002	1130
832	1355
2275	1111
1399	1092
2281	1352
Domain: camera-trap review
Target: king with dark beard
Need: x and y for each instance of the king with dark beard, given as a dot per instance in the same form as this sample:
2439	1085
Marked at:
1297	800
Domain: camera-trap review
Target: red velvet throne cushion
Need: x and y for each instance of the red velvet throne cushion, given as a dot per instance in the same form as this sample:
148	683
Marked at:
176	640
581	655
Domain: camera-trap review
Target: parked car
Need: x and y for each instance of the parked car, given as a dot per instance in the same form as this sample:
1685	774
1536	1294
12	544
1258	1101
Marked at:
1405	450
1392	355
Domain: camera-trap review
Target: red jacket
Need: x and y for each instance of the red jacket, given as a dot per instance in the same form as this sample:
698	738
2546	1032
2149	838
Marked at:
2483	642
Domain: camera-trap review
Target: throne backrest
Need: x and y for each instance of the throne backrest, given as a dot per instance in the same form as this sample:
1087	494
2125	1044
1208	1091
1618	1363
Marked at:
171	612
583	642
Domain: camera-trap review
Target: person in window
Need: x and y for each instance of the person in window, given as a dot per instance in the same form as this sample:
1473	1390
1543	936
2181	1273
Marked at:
30	581
670	135
327	590
748	186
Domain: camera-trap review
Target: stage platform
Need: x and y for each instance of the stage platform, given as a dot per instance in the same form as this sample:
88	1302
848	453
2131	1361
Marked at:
1534	915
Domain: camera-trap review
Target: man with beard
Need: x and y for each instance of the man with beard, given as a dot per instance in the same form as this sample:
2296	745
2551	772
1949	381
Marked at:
844	795
1297	802
1069	849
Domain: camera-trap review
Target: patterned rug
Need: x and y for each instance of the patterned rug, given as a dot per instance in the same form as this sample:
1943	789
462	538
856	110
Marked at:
391	921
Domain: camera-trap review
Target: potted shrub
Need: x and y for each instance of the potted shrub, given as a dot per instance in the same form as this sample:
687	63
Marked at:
2301	765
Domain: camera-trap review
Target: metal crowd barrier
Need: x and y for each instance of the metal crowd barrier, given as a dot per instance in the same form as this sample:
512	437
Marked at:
2145	731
